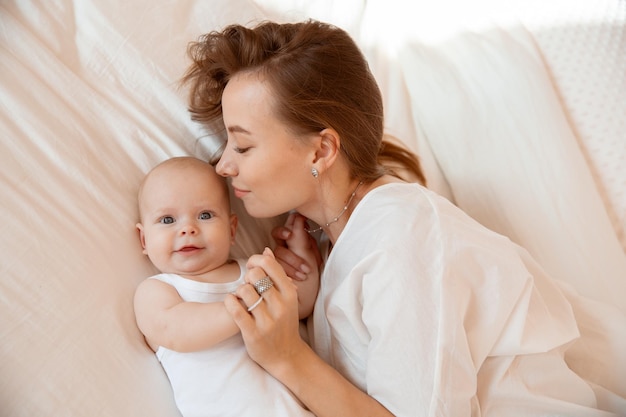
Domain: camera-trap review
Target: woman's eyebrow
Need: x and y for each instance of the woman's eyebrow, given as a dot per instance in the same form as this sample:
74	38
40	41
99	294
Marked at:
238	129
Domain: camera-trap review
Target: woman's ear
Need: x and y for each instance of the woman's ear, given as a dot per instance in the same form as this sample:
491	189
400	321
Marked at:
329	146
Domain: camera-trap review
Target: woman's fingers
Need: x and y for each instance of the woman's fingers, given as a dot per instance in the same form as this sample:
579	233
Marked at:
268	283
270	328
243	303
283	292
270	266
237	308
280	234
293	265
291	218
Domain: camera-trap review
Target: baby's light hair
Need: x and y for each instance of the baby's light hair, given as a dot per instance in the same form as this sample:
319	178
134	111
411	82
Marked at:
180	162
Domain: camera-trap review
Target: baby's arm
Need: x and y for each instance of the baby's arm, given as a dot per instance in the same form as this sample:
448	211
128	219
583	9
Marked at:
300	243
166	320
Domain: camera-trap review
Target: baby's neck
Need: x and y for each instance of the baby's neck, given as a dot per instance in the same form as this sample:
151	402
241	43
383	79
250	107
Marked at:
227	272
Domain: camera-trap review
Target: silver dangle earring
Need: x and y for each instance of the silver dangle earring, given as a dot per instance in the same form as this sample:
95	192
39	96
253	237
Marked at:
314	172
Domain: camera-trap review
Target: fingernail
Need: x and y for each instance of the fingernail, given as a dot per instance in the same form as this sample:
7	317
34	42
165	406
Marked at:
285	234
305	268
301	276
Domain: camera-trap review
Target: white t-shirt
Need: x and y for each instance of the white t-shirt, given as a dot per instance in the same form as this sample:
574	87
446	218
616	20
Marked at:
434	315
222	381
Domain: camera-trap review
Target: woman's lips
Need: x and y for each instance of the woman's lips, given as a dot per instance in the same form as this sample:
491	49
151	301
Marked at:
240	193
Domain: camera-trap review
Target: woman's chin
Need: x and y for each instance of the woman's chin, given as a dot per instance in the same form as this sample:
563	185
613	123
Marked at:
259	212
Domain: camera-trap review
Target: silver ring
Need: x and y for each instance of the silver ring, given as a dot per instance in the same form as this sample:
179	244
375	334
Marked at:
253	306
263	285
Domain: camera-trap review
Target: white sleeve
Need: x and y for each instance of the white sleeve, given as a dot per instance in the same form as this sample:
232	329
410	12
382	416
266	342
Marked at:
434	314
405	318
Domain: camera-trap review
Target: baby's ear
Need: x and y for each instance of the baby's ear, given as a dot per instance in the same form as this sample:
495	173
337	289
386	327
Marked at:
142	238
234	220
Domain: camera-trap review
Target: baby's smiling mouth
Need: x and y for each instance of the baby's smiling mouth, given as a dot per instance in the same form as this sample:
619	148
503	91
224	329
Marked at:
189	248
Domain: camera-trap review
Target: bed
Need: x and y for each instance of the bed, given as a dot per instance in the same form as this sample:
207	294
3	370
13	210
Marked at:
516	108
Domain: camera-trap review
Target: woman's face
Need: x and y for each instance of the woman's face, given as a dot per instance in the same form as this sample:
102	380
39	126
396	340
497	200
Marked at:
270	167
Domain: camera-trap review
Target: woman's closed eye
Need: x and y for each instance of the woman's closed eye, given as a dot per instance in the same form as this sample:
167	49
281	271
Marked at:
241	150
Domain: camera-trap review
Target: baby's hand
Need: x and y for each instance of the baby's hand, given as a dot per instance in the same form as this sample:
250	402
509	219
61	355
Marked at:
301	243
295	250
299	240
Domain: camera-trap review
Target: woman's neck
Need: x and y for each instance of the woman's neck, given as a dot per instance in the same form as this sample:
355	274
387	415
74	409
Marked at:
334	229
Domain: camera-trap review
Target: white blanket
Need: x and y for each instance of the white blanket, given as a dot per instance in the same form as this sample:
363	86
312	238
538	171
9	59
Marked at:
518	118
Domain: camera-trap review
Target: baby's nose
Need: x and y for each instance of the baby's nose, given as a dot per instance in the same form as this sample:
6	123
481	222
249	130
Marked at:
188	229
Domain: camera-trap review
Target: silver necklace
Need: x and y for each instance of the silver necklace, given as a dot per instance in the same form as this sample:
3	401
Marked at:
337	217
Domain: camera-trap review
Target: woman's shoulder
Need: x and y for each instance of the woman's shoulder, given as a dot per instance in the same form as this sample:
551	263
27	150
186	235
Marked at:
408	211
401	197
391	210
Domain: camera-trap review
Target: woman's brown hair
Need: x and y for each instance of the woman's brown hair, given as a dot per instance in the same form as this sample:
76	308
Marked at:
320	79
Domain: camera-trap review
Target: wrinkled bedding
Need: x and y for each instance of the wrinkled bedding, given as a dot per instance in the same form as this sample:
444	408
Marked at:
516	110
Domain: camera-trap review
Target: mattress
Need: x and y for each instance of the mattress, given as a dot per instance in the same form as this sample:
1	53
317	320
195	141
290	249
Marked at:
515	108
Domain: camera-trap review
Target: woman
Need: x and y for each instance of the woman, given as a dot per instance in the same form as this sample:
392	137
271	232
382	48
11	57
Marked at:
421	310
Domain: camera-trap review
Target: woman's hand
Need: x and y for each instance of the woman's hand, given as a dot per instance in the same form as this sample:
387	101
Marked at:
270	330
295	266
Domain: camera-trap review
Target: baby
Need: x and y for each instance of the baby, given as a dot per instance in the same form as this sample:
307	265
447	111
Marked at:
186	229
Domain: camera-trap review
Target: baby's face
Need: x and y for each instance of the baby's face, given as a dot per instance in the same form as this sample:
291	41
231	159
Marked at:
186	226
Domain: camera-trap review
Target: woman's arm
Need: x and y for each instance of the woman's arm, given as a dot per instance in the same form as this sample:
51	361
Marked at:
166	320
324	390
272	339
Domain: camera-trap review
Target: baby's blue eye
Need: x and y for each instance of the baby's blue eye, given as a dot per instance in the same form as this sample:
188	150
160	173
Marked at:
205	215
166	220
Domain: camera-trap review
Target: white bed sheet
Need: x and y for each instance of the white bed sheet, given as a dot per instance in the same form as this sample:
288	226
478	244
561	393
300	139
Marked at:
89	102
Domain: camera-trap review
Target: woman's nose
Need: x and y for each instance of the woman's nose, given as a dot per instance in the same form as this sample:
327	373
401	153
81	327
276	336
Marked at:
225	166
